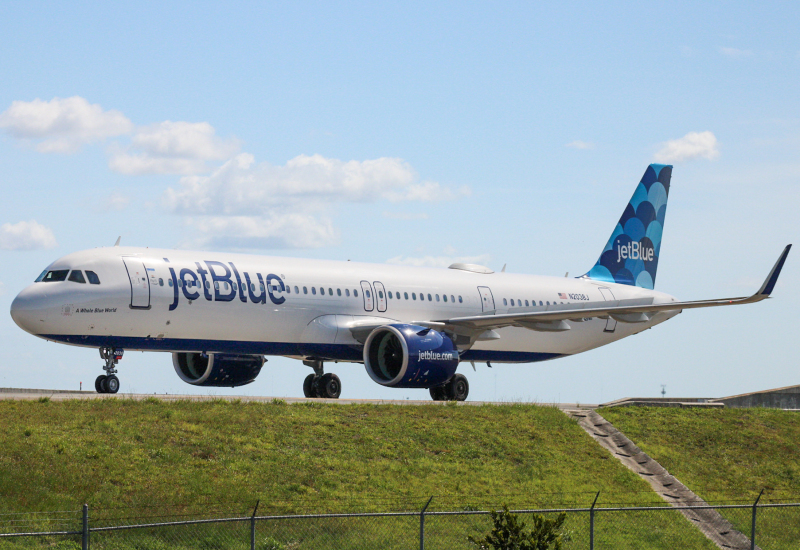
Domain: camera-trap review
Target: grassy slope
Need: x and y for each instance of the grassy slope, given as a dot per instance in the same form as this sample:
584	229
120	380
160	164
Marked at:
725	455
119	453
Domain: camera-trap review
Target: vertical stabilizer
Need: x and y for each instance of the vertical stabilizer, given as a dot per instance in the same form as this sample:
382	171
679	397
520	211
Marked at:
631	254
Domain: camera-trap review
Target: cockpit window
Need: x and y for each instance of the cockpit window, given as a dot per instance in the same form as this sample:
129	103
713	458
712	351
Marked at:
55	276
41	276
77	276
93	278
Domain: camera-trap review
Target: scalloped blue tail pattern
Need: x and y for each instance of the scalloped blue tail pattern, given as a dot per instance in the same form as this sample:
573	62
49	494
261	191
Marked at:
631	254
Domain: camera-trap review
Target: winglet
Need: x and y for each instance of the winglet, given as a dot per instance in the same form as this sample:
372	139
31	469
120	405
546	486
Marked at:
772	278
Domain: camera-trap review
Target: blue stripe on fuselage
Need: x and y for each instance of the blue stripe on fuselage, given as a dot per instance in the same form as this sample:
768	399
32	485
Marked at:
334	352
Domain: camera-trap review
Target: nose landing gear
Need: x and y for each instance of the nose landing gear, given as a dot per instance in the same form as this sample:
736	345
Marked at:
108	382
319	384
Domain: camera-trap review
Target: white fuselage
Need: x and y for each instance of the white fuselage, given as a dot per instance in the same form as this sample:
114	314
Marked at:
183	301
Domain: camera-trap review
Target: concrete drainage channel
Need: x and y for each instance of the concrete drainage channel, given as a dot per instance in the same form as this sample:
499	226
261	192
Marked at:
709	521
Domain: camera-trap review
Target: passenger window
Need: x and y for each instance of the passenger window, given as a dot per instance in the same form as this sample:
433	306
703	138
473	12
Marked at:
429	298
216	285
406	295
445	297
526	303
330	291
380	294
288	289
505	303
452	298
313	290
305	290
355	293
368	294
296	290
460	300
160	281
437	297
421	297
548	303
390	294
338	291
56	276
77	276
169	282
414	295
261	286
347	292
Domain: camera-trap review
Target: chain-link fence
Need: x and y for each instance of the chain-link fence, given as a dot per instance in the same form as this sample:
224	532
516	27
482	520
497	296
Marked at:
776	525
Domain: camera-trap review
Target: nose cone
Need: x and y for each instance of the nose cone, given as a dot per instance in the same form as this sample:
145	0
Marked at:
29	310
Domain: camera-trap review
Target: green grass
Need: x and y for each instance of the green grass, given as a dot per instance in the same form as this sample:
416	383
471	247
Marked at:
135	460
727	455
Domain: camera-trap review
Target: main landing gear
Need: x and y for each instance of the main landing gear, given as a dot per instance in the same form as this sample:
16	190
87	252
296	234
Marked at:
455	389
108	382
320	384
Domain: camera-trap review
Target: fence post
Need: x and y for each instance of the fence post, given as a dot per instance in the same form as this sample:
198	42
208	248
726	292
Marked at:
422	525
591	521
753	526
85	529
253	527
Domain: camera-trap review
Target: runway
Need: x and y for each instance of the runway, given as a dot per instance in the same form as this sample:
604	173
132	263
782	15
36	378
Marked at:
30	394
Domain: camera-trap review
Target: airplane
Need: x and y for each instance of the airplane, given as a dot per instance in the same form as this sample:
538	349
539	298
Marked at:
220	314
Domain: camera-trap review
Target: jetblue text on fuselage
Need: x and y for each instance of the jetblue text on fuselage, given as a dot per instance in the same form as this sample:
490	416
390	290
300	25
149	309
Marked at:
635	251
215	275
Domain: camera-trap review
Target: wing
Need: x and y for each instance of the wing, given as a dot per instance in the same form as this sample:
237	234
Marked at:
626	311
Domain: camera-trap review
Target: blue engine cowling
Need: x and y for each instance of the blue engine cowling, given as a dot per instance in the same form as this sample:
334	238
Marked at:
409	356
217	369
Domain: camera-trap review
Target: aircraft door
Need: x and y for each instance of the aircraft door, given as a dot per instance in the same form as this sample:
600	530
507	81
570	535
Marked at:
369	301
487	300
140	285
380	295
608	296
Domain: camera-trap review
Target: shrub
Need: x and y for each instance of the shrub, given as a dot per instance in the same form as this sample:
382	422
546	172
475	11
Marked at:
508	533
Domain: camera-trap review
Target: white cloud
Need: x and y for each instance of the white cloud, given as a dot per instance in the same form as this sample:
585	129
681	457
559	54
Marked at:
691	146
578	144
26	236
252	232
438	261
172	148
62	125
244	204
241	187
735	52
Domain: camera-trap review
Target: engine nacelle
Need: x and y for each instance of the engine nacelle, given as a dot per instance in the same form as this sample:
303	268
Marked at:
217	369
409	356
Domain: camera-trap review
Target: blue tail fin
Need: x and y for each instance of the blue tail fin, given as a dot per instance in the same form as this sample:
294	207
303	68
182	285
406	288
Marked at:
631	255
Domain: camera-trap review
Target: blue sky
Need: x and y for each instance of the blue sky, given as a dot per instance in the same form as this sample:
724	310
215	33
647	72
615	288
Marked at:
414	133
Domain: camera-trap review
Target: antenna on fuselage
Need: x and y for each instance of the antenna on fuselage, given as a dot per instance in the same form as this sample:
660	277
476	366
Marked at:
118	239
504	268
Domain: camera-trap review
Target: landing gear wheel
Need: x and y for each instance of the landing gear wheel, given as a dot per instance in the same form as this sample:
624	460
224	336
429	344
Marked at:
309	386
99	383
111	384
438	393
329	386
457	388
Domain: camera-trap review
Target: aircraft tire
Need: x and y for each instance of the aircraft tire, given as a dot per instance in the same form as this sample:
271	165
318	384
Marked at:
329	386
457	388
438	393
310	386
111	384
98	383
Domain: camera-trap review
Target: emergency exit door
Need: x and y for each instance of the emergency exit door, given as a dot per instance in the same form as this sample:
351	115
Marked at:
487	300
608	296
